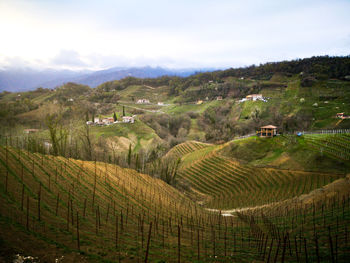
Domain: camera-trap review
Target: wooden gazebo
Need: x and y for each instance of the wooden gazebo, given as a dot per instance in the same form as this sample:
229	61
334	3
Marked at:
268	131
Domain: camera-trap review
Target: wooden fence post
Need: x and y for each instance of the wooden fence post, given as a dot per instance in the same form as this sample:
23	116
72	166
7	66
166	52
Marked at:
27	223
39	200
148	241
58	199
178	244
78	237
331	244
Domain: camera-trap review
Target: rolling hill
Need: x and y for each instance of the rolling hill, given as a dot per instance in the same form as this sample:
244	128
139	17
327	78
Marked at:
72	210
210	195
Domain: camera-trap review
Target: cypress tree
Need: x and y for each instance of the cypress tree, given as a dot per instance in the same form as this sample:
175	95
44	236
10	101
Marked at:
115	117
129	155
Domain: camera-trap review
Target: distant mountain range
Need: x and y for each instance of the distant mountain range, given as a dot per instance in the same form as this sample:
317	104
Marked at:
29	79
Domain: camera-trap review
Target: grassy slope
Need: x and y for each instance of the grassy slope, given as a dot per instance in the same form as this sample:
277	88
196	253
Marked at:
293	98
284	152
184	108
195	133
144	92
138	134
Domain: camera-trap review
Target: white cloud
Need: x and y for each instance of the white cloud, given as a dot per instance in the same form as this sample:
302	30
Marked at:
69	58
87	34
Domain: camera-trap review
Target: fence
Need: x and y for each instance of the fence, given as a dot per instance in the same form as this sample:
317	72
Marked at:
337	131
244	136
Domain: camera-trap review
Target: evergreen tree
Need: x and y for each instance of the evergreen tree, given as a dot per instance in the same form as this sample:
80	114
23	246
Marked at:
129	155
115	117
87	116
123	111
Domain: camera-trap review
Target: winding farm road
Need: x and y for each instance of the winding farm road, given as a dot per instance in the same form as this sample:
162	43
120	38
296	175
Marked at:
242	209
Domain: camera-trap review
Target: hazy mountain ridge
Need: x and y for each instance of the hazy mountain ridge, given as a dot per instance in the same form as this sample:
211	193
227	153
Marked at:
29	79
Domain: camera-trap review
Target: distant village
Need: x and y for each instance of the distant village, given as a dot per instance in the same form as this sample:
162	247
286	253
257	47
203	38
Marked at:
110	120
131	119
254	97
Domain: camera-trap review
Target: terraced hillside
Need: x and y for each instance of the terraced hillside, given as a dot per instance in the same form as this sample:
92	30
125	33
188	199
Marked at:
52	200
224	183
334	145
184	148
78	211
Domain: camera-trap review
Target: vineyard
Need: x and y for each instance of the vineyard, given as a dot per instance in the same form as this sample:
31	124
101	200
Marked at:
334	145
92	207
227	184
99	212
184	148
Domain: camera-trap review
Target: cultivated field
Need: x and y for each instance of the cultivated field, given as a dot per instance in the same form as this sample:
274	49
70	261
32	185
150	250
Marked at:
99	212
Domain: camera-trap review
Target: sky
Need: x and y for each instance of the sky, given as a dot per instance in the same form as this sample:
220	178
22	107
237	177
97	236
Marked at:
84	34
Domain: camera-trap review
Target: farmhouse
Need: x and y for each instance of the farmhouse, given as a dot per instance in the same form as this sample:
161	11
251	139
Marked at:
27	131
108	120
219	98
47	146
199	102
128	119
96	119
143	101
160	103
254	97
267	131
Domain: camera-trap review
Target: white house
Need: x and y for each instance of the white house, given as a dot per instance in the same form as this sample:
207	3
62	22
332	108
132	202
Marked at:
27	131
143	101
254	97
128	119
47	146
160	103
108	120
96	119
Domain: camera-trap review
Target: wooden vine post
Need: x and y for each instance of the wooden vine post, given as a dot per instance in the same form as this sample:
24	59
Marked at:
78	237
148	241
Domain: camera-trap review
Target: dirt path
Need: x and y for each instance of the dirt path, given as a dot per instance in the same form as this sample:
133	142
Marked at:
242	209
148	87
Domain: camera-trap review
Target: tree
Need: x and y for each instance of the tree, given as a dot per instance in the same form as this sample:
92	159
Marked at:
58	134
123	111
87	116
129	155
114	116
86	140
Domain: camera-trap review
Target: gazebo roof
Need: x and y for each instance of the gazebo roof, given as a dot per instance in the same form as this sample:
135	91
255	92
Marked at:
269	127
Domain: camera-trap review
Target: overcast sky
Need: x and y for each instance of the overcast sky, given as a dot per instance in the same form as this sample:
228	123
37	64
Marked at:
85	34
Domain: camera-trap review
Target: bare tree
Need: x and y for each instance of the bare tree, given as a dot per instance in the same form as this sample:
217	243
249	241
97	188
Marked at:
87	143
58	133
